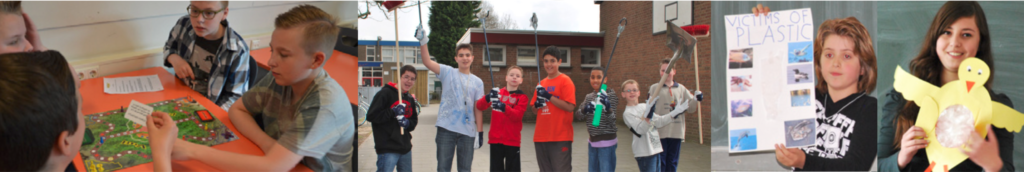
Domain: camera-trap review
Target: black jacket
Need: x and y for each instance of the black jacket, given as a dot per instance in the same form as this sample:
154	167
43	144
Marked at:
385	126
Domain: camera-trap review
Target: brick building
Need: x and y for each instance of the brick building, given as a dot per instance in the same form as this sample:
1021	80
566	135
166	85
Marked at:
580	52
375	69
640	51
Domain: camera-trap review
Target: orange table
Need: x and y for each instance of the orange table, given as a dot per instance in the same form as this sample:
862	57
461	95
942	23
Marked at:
94	100
341	66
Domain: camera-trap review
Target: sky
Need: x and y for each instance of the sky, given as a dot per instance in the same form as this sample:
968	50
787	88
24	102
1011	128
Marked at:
565	15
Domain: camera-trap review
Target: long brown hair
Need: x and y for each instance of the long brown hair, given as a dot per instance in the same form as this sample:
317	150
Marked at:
927	65
851	28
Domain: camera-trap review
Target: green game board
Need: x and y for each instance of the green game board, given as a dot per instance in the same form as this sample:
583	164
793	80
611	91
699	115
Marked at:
113	142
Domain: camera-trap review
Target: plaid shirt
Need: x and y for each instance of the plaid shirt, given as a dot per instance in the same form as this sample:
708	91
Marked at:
229	74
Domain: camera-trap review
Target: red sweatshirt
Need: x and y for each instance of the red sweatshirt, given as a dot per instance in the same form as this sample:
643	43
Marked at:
506	127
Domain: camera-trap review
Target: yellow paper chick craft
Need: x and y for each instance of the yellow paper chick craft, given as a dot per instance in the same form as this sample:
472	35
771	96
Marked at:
967	93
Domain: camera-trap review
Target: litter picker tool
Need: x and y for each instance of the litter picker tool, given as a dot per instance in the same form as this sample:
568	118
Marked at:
604	87
536	52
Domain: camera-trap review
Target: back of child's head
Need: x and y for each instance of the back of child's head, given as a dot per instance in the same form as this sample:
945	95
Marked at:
10	7
467	47
926	65
553	51
408	68
320	32
38	103
852	29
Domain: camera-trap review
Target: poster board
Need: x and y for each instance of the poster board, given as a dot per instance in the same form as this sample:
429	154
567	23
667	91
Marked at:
770	78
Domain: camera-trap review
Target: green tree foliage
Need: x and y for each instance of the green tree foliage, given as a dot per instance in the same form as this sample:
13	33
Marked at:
448	22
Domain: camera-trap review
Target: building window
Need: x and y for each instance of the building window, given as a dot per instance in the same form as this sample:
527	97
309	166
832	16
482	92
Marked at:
388	54
497	53
565	56
590	57
526	55
371	54
373	76
411	55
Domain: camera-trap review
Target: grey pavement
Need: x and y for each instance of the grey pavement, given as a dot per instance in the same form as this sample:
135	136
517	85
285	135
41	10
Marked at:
692	157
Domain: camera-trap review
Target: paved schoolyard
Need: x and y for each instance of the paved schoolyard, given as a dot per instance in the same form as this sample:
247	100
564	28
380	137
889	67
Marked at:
693	156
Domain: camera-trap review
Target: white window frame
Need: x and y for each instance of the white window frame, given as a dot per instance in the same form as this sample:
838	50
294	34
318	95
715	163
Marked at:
373	57
568	57
385	50
503	54
520	59
590	65
414	56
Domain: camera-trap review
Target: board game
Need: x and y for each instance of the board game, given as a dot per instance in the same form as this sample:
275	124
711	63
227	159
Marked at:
113	142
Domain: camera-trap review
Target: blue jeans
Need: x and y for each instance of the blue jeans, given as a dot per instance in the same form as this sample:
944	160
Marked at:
601	159
450	143
670	157
649	163
388	161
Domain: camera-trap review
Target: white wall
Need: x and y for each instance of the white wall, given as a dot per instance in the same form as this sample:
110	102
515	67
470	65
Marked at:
116	37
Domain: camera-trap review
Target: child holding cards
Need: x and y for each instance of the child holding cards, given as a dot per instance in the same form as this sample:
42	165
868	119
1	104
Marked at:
40	112
308	120
844	59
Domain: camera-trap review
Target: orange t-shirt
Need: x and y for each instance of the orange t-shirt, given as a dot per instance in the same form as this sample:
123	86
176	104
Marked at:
554	124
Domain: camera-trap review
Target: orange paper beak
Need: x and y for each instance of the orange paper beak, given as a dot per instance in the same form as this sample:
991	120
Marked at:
969	85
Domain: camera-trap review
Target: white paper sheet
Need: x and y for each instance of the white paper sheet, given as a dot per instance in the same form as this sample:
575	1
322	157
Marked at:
770	74
133	84
138	112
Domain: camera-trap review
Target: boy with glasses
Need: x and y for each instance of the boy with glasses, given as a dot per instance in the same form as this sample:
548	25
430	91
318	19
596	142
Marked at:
207	55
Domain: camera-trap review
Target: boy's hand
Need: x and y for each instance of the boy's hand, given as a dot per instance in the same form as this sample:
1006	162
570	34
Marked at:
162	130
402	121
681	107
421	35
498	106
790	157
399	109
699	95
479	141
181	67
32	34
603	97
494	96
650	111
589	108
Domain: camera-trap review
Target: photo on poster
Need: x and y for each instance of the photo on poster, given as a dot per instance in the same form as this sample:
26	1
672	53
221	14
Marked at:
743	139
740	83
800	74
742	108
800	132
801	52
741	58
800	97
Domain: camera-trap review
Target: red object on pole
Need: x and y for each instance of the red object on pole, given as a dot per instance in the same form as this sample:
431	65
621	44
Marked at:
391	5
697	30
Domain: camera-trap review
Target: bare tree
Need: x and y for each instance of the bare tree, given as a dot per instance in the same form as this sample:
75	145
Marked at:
496	21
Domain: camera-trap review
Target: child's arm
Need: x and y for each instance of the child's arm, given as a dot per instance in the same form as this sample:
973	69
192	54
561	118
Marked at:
278	159
479	120
380	109
240	116
415	119
163	132
172	57
636	122
567	97
579	111
424	54
515	111
613	101
692	100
